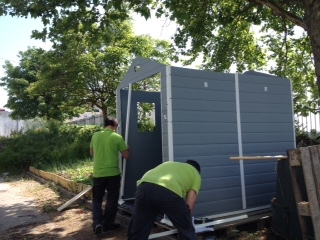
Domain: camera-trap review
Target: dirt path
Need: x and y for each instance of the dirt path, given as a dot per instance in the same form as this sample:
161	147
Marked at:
28	210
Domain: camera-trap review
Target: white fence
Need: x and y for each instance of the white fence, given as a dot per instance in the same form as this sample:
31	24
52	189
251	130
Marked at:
7	125
311	122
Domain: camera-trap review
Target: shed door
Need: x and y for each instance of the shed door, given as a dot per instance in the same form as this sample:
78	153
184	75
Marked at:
144	140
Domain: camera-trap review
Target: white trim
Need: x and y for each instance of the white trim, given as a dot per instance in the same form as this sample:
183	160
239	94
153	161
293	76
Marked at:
237	212
123	174
243	190
293	118
169	113
197	226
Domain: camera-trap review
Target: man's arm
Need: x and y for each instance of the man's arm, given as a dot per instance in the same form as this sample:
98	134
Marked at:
91	152
126	153
191	200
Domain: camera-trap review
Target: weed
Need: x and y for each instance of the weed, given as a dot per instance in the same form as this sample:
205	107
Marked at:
48	207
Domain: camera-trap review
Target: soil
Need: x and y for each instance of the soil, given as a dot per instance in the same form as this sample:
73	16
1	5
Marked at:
73	223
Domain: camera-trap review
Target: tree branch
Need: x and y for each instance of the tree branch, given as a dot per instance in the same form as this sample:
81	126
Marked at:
279	11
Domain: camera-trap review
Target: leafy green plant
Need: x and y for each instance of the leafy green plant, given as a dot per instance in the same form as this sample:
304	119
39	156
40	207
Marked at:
52	144
304	138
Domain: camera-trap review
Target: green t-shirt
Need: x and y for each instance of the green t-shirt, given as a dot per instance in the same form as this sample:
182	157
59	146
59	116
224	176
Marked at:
106	146
175	176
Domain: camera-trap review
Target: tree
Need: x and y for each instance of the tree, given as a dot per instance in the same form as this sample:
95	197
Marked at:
87	73
220	30
18	80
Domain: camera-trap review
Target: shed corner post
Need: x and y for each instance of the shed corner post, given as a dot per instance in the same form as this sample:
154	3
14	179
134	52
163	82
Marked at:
239	131
169	113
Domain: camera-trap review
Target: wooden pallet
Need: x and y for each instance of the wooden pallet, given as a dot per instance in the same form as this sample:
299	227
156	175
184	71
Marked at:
307	159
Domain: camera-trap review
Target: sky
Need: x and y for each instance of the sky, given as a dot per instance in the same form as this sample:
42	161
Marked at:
16	32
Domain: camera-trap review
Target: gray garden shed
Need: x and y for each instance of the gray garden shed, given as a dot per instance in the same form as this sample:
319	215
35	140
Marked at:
208	116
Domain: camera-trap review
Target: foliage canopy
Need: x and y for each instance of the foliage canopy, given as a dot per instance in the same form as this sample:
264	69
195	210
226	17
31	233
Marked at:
221	32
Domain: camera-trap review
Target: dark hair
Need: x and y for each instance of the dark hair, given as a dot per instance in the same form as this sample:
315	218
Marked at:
110	121
194	164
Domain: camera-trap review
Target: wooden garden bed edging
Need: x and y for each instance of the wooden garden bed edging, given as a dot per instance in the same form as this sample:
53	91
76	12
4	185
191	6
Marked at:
66	183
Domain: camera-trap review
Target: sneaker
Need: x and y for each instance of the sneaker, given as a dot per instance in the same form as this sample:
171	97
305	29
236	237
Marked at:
111	228
98	229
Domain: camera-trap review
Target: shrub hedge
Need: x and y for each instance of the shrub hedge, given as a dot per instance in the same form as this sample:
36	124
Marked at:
55	143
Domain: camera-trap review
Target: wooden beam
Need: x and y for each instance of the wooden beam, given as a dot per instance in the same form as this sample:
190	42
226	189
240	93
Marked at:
75	198
295	158
308	156
259	157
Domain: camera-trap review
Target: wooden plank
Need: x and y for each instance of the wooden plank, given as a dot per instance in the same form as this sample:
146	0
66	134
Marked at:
295	157
75	198
258	157
316	169
304	209
307	154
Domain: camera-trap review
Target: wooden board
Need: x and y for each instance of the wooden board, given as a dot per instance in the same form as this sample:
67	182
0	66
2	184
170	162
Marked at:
258	157
307	160
75	198
310	177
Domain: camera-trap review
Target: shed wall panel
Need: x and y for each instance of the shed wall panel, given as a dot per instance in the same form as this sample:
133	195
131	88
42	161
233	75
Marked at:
206	100
264	100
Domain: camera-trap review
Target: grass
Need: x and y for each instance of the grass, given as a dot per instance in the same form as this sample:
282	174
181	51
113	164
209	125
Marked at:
77	170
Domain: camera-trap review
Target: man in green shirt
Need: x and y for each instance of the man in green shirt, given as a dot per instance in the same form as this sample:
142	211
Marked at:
171	189
105	146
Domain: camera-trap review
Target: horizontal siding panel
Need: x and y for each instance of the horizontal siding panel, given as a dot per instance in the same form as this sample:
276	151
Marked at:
219	194
259	168
210	208
204	138
202	116
203	94
265	108
220	171
260	200
271	80
194	73
203	83
266	118
265	98
206	150
204	127
260	189
267	127
260	178
268	148
210	161
202	105
266	137
264	88
220	183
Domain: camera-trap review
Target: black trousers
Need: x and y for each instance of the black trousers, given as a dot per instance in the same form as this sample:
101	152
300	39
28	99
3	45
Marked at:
152	200
100	185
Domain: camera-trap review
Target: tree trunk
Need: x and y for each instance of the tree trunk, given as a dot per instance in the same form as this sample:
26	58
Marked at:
104	110
313	23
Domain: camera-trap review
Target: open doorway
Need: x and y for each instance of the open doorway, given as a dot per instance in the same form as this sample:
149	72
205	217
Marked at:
144	130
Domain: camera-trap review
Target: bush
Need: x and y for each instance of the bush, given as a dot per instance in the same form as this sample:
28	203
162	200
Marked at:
54	143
